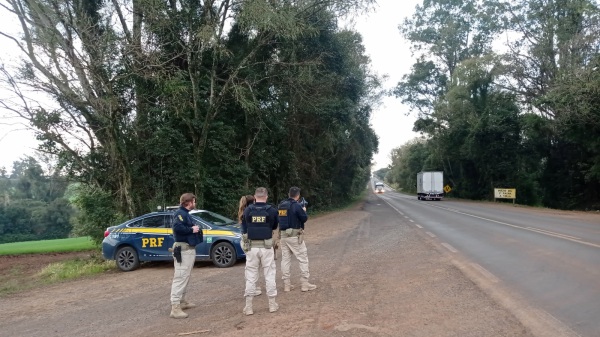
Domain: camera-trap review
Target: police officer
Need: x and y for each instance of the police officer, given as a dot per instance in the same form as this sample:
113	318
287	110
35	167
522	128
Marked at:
258	223
187	236
244	202
292	217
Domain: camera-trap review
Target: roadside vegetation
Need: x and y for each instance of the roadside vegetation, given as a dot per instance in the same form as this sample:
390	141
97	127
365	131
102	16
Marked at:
506	96
17	277
48	246
76	268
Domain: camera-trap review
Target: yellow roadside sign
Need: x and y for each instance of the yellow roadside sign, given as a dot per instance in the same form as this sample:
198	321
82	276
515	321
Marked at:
447	188
505	193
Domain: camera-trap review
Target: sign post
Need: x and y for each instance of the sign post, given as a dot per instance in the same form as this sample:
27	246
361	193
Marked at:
505	193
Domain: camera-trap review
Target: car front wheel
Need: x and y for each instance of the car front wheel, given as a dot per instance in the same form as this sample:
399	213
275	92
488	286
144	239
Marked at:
127	259
223	255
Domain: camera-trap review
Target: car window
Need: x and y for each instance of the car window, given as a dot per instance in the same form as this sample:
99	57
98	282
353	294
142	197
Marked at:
199	223
137	223
214	218
157	221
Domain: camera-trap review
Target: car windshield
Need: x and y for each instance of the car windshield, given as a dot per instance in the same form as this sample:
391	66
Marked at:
214	218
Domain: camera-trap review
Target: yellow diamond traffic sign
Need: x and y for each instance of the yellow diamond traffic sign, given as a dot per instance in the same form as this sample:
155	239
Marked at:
447	188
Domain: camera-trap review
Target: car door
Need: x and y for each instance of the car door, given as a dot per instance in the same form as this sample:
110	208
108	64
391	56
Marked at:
156	238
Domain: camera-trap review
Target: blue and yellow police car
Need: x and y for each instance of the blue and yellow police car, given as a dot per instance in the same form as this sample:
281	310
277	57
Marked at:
149	237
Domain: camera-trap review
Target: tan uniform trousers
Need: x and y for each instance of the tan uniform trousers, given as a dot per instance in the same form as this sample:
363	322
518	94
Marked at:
182	275
254	259
289	247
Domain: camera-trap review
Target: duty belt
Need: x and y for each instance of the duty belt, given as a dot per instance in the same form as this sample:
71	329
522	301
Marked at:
267	243
287	234
184	246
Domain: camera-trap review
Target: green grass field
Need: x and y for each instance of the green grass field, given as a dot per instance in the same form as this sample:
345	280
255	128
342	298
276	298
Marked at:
47	246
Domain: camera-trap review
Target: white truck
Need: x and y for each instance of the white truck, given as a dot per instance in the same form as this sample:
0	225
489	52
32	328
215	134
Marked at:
430	185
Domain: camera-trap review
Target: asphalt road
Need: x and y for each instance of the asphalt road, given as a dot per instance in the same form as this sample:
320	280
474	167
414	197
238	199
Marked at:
549	261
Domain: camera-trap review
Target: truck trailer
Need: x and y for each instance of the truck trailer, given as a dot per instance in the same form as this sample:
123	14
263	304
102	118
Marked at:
430	185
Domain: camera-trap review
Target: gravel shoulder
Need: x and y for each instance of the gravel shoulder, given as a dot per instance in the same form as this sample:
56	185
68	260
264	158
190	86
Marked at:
377	276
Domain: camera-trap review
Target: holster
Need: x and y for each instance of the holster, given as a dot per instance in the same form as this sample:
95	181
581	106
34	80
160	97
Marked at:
177	253
246	243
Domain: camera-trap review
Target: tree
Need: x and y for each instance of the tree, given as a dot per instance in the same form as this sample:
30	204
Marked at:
559	37
408	160
32	206
154	74
442	35
525	118
552	71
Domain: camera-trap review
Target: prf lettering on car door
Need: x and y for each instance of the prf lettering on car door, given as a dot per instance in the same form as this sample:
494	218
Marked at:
152	242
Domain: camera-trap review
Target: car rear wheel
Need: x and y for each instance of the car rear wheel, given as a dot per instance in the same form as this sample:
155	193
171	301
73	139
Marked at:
127	259
223	255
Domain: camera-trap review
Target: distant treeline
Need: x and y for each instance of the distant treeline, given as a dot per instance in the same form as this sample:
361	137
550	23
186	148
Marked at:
33	205
526	117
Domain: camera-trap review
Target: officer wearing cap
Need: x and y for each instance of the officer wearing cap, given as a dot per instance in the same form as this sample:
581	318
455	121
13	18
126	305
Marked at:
187	236
292	217
258	223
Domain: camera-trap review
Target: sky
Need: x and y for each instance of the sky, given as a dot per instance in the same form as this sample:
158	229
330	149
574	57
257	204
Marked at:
390	55
389	52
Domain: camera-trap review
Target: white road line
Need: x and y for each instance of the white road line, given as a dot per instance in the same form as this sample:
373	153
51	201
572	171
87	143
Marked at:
543	231
430	234
531	229
411	220
485	272
418	225
450	248
406	216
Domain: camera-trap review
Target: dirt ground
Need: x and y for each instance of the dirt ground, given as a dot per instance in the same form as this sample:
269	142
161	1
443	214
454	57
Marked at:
377	276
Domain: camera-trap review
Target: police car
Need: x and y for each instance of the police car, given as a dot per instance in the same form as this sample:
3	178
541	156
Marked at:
148	238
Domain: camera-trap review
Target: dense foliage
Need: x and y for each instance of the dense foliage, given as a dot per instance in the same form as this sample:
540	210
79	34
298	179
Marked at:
156	98
525	118
32	204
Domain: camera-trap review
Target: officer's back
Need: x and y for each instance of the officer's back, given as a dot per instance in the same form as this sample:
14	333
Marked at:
291	215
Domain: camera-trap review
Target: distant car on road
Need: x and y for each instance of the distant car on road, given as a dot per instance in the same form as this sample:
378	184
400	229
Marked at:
148	238
379	187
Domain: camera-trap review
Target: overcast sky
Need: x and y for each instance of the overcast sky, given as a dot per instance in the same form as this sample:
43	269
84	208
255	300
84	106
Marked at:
389	52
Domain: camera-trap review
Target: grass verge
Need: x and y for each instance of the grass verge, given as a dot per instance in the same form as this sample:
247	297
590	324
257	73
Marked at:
23	276
48	246
74	269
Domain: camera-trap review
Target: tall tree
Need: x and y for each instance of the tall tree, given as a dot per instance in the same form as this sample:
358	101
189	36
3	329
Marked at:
442	35
139	85
558	50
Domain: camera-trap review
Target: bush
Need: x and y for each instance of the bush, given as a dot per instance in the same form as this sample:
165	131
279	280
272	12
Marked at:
97	210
